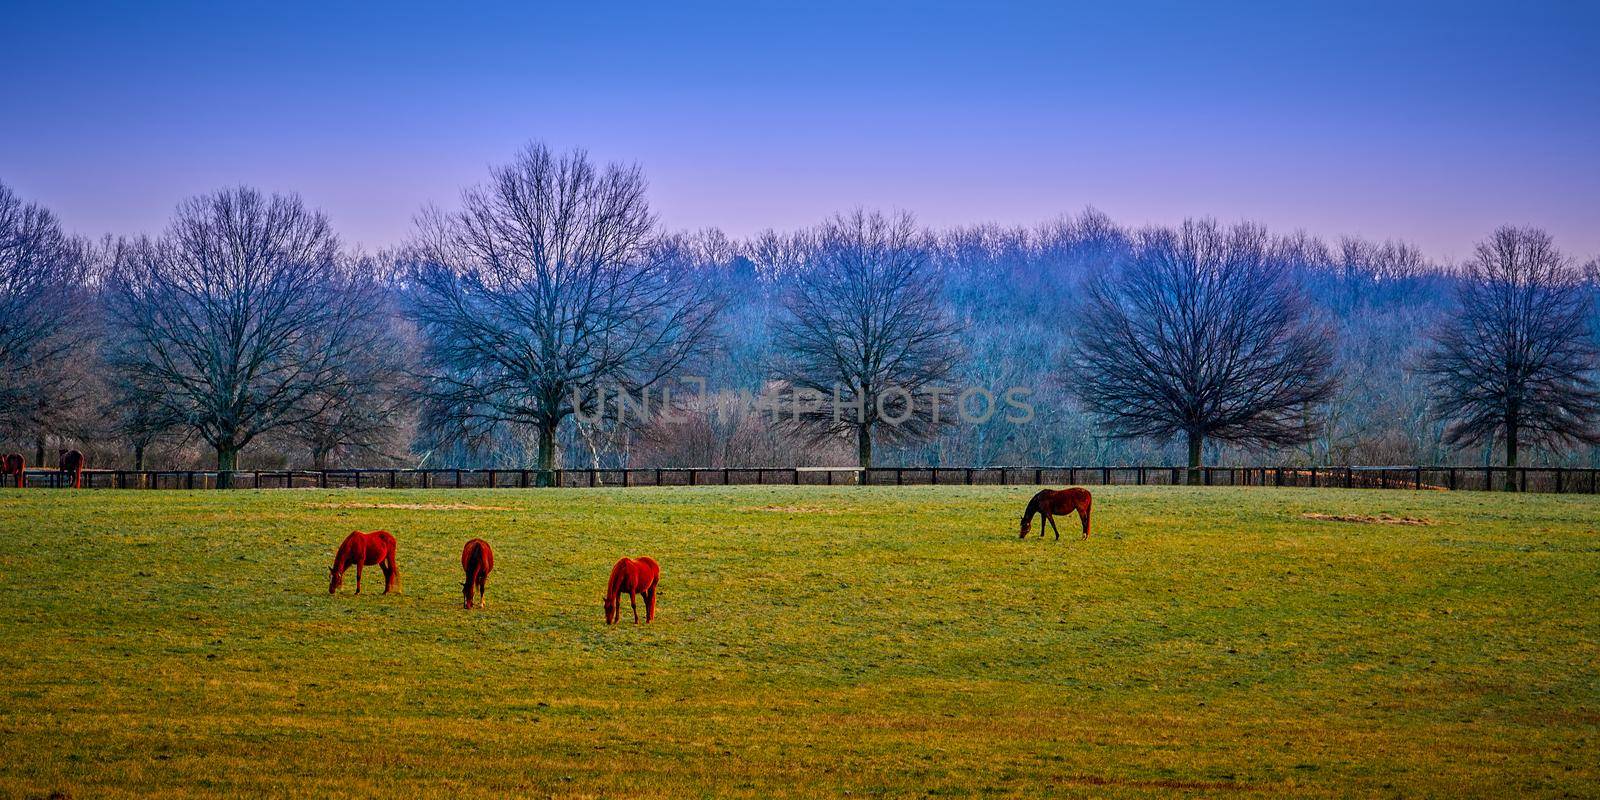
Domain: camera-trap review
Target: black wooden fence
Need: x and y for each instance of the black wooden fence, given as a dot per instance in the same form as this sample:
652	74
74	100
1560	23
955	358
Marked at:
1527	479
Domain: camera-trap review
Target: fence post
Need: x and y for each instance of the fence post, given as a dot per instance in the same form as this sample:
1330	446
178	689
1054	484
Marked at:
1105	476
1558	480
796	476
1523	483
1450	478
1139	479
1349	477
899	476
1038	476
1417	484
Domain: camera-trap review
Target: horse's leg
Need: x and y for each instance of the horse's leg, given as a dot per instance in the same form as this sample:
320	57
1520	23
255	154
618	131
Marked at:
483	589
388	580
1053	527
1083	514
650	605
358	576
634	601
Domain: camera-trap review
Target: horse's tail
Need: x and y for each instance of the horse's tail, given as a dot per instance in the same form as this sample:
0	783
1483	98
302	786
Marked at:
1083	511
654	569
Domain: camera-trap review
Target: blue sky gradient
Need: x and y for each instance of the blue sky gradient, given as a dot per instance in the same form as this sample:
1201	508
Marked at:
1429	122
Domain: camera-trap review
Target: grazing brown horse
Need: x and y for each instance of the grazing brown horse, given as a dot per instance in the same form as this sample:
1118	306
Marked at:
477	559
12	464
71	464
364	550
1050	502
632	575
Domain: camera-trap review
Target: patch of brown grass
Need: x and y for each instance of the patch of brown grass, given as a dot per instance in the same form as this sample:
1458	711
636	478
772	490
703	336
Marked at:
417	506
1381	519
795	509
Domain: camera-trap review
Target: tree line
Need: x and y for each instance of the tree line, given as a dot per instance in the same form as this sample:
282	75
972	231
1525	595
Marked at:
246	333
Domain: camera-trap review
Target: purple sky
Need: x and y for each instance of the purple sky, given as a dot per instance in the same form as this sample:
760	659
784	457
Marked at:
1432	123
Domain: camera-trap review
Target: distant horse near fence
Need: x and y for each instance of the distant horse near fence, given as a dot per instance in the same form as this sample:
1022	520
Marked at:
70	466
12	464
477	561
1050	502
633	576
365	549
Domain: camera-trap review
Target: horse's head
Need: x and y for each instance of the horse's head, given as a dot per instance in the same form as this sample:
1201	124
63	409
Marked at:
611	609
1027	522
335	580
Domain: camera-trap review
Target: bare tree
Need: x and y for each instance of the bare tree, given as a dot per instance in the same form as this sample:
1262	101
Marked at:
549	287
45	320
1201	334
865	339
1517	364
238	319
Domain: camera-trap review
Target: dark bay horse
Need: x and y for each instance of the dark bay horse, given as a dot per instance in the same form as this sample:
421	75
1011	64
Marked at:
364	550
477	560
632	576
12	464
1050	502
71	465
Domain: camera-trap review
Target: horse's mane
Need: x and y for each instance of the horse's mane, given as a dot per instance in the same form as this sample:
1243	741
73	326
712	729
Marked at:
342	555
614	585
1033	505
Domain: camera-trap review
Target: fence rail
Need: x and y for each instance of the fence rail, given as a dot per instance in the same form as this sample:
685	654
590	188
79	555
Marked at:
1563	480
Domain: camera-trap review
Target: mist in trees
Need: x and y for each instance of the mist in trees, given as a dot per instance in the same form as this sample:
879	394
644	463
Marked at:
1201	334
1516	364
505	331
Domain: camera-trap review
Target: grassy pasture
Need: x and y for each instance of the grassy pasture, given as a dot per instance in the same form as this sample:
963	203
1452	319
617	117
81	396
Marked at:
873	641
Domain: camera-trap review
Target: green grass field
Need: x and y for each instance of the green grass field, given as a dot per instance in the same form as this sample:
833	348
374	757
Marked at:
810	641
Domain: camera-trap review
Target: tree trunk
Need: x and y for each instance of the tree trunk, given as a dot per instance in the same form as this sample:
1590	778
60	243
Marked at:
138	457
38	451
319	458
227	460
864	446
547	455
1511	455
1195	441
